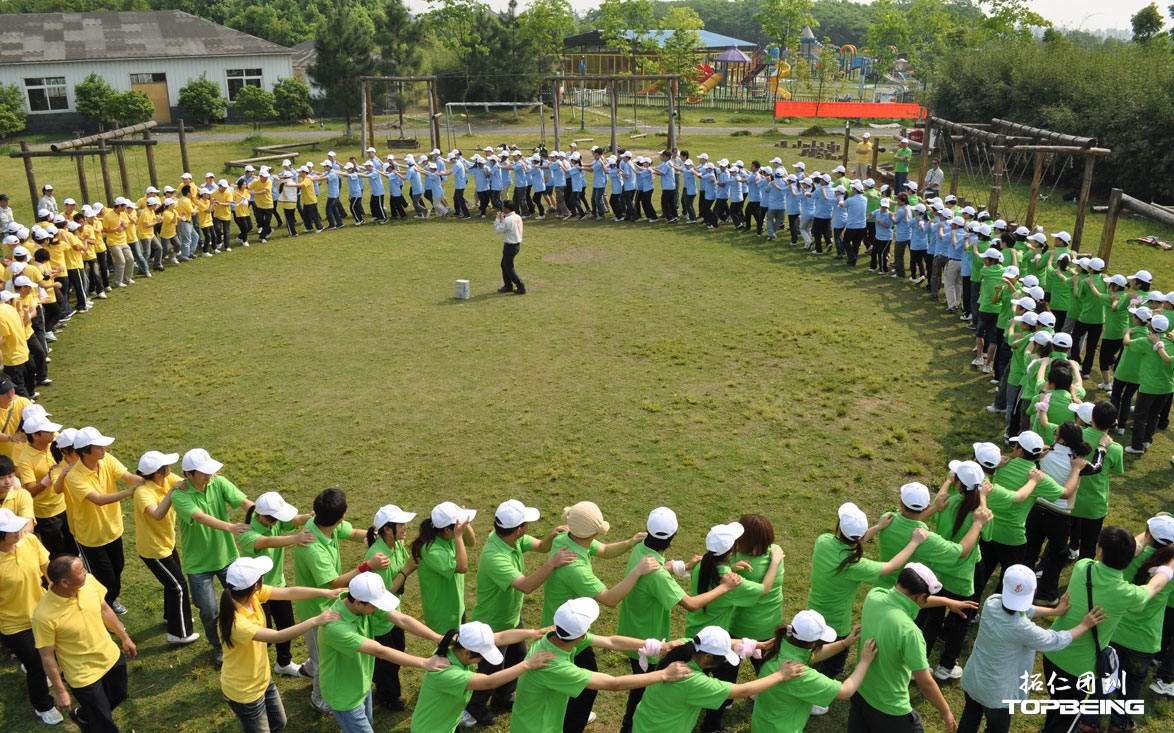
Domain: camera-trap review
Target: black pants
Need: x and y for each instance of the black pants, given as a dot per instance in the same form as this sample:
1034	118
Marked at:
1045	525
631	211
105	563
334	212
399	206
646	204
244	225
23	377
385	680
311	219
616	201
793	225
55	535
459	207
1091	333
498	699
104	269
864	718
705	210
821	233
853	238
24	646
634	698
579	708
994	556
509	275
177	600
721	210
1165	671
917	263
736	215
78	288
833	665
98	700
756	212
1084	534
899	258
998	720
357	210
376	203
482	201
1064	688
687	206
280	615
1122	399
37	354
522	200
1146	415
536	199
879	257
712	720
940	623
668	203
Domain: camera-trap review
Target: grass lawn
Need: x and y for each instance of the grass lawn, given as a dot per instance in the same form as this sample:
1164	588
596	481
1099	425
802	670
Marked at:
712	372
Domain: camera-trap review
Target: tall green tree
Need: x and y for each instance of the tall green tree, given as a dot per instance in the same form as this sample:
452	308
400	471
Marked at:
255	104
128	108
1010	19
1147	25
345	44
544	25
12	111
92	95
889	33
200	98
629	25
783	21
678	52
398	36
291	99
463	28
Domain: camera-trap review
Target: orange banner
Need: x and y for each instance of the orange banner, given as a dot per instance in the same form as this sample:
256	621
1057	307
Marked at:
890	110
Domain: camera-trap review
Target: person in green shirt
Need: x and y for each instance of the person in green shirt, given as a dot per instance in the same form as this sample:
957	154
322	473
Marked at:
268	519
319	565
1154	387
1092	499
647	610
388	536
502	584
1115	303
1090	317
937	552
440	551
786	708
1127	376
881	704
673	707
543	694
756	548
444	695
901	159
348	651
1116	549
201	505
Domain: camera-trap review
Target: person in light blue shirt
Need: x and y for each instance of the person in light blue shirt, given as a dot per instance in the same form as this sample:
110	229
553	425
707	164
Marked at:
537	181
776	201
901	235
918	243
498	176
599	174
334	210
354	181
882	220
615	176
578	186
376	188
481	172
645	185
737	195
395	189
955	240
707	185
856	224
792	203
460	181
688	188
521	184
723	180
667	171
630	183
415	186
434	190
825	201
560	184
839	220
806	210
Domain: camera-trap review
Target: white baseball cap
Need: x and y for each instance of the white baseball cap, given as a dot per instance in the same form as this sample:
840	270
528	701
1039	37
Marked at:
446	514
574	618
244	572
1062	340
65	438
915	495
197	459
369	588
1064	237
1083	411
969	473
1161	528
1018	588
853	522
272	505
987	455
513	513
392	514
1143	275
716	641
1143	313
1047	318
477	637
88	436
10	522
154	460
662	523
721	537
40	424
927	575
810	626
1029	441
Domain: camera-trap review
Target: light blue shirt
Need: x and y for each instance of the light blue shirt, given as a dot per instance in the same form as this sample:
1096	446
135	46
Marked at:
1004	651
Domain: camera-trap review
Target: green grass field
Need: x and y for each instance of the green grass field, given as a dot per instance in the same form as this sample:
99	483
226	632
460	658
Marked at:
711	372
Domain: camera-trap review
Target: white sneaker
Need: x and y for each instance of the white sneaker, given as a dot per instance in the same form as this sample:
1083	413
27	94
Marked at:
293	669
53	717
592	718
992	408
977	361
1158	686
986	368
467	720
942	673
173	639
818	710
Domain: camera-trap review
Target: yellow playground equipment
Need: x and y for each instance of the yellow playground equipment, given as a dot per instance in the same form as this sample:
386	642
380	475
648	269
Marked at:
776	80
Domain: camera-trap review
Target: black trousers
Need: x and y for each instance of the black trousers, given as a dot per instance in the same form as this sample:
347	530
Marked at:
864	718
1045	525
98	700
1122	399
334	212
940	623
1146	416
105	563
668	203
499	698
579	708
853	238
1091	333
55	535
995	555
177	599
24	377
376	203
712	720
998	720
280	615
460	208
1084	534
1055	722
24	646
821	233
509	275
385	680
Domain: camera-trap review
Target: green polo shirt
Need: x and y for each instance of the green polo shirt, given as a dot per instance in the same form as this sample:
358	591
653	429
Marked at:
397	556
1092	499
317	564
442	588
247	541
888	617
721	611
833	590
786	707
673	707
759	620
957	577
499	604
646	612
1157	375
443	697
576	580
1142	631
1111	590
206	550
1129	366
344	673
1007	527
1058	413
901	160
541	698
936	552
990	276
1116	321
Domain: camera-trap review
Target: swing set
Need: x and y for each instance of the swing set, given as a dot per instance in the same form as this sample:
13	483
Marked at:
1018	160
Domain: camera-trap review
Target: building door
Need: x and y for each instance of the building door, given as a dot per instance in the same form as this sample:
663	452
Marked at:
155	87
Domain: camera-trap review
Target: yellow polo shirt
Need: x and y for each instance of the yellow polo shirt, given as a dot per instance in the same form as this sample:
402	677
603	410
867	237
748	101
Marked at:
10	418
15	349
93	525
20	502
74	627
73	252
111	220
223	209
185	208
155	538
205	207
33	466
20	584
244	676
262	189
170	222
146	224
242	199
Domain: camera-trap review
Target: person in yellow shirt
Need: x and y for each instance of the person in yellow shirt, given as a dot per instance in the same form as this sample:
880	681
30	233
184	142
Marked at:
222	215
70	625
287	199
242	198
262	188
12	407
67	233
14	347
169	233
95	223
132	238
22	564
27	304
114	227
308	184
34	464
185	209
91	271
149	216
863	155
13	497
155	540
97	519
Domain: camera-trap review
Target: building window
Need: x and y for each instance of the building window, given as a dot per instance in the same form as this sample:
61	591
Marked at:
154	78
240	78
46	93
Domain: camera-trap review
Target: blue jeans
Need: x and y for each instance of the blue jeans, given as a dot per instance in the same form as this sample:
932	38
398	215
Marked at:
356	720
139	259
188	238
266	714
204	596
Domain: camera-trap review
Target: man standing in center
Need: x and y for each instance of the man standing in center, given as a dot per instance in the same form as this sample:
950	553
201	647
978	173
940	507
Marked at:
509	225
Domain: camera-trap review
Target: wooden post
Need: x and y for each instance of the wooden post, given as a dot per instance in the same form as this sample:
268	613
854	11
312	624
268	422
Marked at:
997	183
183	148
671	86
433	119
104	161
365	114
1082	205
611	92
1036	177
873	169
82	185
847	145
1110	229
958	146
123	174
928	135
28	174
151	160
555	104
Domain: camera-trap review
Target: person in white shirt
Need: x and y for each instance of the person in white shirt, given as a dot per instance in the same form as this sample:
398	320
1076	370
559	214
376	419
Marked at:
509	224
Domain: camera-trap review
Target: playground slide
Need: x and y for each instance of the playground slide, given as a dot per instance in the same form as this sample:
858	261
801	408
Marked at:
776	80
748	80
707	86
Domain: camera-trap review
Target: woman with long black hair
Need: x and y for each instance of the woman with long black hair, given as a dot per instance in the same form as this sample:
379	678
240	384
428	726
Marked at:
440	552
387	535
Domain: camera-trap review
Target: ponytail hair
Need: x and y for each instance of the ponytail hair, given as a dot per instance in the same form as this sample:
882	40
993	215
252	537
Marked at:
683	653
228	610
970	501
1071	435
428	535
784	632
1162	555
708	576
449	640
372	535
853	557
249	513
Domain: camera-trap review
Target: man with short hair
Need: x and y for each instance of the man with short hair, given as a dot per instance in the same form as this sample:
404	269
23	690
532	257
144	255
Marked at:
509	225
934	178
863	156
70	625
901	159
